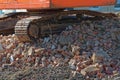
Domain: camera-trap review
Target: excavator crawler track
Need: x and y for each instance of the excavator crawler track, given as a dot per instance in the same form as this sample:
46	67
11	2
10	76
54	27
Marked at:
26	32
36	24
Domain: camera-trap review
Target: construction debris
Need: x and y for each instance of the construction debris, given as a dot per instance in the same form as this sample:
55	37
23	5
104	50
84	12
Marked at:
88	50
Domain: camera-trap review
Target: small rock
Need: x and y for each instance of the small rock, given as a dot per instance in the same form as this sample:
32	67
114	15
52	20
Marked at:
10	46
46	39
99	56
11	59
31	51
37	61
72	64
1	48
75	48
90	68
109	70
37	51
6	66
103	79
53	47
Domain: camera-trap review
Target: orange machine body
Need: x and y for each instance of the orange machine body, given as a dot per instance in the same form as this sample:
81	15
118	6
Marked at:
49	4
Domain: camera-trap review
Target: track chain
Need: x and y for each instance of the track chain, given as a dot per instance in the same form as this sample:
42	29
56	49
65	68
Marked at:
23	25
21	28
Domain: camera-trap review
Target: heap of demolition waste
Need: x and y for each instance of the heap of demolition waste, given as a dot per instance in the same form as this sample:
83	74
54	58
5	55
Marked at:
91	49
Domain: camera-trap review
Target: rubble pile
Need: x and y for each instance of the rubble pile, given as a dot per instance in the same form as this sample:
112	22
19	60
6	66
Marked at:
89	50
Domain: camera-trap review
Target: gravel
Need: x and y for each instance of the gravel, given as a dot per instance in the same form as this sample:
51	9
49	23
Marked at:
89	50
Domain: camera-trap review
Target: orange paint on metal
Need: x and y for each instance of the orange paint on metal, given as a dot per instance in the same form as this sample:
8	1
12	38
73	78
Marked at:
24	4
47	4
81	3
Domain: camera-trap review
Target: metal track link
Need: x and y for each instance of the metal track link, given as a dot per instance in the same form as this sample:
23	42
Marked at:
21	28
